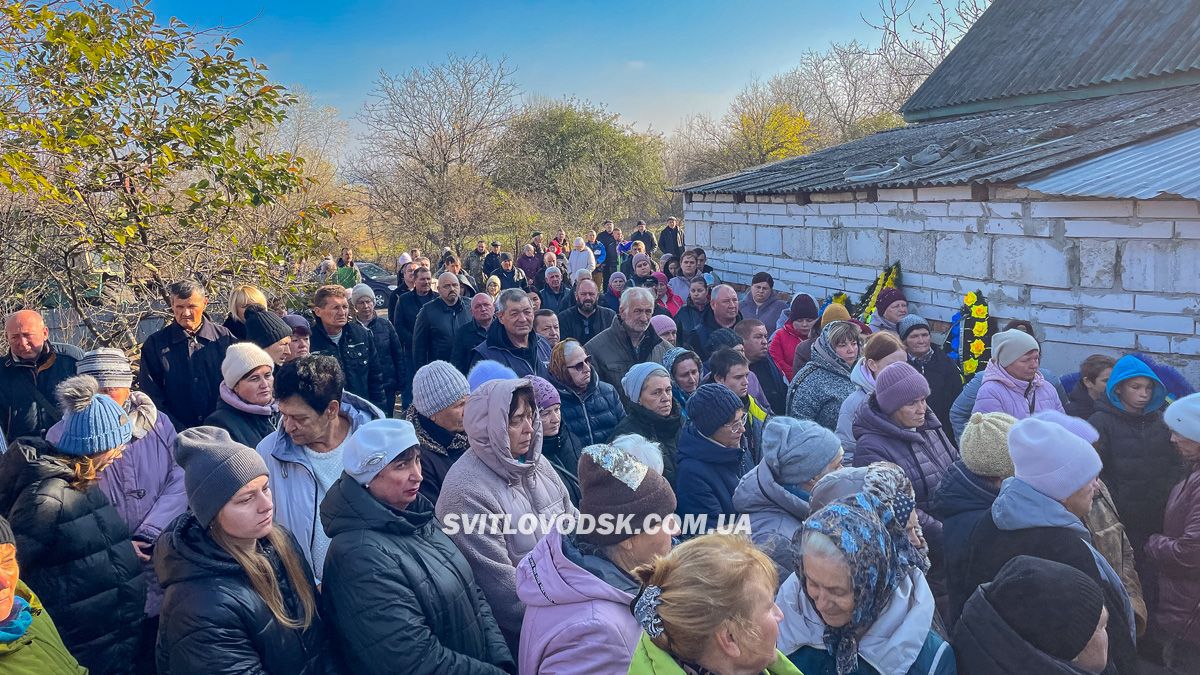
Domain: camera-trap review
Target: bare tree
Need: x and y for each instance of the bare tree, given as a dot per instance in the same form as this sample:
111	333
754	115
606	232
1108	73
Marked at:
913	44
430	146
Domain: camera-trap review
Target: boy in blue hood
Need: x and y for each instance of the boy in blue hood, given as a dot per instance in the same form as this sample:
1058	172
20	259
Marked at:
1140	465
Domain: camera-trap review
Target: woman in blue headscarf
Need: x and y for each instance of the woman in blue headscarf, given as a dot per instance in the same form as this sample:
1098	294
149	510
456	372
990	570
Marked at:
858	603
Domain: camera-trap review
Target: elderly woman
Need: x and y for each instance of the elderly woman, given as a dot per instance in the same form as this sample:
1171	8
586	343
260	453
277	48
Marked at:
581	258
654	413
709	607
591	407
711	454
1012	382
880	351
895	425
616	286
247	409
399	593
577	588
559	445
855	606
492	287
823	384
890	308
685	367
776	493
940	371
530	263
503	475
242	297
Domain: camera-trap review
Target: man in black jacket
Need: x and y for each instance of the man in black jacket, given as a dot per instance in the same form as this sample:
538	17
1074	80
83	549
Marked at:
722	312
670	240
473	265
754	340
584	319
491	262
181	364
556	295
645	236
407	308
438	321
469	335
334	334
609	241
387	343
28	376
509	274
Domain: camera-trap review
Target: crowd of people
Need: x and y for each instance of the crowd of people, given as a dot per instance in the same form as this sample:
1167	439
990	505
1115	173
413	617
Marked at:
337	491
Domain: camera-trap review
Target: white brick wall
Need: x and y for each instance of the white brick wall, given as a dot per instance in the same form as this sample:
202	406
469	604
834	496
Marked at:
1095	276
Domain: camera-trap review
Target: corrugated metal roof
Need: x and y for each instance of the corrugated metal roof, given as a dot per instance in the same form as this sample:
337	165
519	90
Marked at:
1019	142
1168	165
1026	47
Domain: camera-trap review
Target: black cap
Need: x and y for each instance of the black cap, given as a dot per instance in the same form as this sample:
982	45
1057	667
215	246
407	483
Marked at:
495	243
265	328
506	256
1052	606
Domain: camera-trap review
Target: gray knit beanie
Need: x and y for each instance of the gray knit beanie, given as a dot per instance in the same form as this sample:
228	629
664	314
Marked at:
215	467
109	366
797	450
437	386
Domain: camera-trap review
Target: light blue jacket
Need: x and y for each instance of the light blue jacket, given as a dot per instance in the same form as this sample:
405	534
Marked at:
293	484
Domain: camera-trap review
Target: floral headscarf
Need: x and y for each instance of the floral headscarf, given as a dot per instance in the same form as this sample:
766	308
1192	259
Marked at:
858	527
890	485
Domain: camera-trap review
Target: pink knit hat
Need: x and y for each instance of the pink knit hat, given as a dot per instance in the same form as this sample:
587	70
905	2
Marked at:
898	385
662	323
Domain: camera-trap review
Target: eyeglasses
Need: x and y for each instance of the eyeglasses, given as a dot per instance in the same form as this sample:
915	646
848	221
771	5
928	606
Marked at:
736	425
583	365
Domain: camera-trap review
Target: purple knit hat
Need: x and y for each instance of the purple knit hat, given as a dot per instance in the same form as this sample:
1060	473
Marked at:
887	297
544	393
898	385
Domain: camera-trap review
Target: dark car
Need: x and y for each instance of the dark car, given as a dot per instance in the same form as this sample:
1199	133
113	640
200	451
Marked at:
380	281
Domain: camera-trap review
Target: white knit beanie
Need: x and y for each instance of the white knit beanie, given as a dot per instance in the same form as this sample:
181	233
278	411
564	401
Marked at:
1183	416
240	359
1051	458
361	291
1012	344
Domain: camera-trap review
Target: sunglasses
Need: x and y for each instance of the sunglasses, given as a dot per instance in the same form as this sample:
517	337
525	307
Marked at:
583	365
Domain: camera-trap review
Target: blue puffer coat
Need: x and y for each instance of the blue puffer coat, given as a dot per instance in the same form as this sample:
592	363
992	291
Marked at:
707	475
592	415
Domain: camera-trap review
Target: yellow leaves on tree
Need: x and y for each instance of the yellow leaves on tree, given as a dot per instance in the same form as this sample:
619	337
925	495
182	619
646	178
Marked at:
775	131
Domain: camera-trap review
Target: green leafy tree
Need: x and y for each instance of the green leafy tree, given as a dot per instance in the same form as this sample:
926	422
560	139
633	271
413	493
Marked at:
579	165
131	155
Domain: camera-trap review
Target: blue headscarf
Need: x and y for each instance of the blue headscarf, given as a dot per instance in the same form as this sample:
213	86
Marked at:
858	527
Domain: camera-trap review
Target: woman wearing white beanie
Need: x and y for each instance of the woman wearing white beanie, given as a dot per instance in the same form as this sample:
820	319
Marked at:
247	408
1012	382
1176	552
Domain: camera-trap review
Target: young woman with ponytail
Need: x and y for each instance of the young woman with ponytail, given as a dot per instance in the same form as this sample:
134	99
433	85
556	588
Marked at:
232	577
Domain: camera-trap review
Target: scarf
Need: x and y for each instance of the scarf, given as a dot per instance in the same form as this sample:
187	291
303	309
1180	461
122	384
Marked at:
858	527
17	623
143	413
879	323
824	355
890	485
237	403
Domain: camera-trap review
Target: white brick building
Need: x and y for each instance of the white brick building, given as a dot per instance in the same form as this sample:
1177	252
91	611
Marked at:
1071	205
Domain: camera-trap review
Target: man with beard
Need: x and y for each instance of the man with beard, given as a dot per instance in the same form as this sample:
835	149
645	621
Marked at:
586	318
471	333
438	321
629	340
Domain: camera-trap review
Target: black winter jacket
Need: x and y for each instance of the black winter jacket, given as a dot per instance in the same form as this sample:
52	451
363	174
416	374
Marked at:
773	384
945	383
572	324
355	351
654	427
466	339
670	240
407	308
433	333
214	622
563	451
74	551
389	351
513	278
1079	402
556	302
698	337
22	412
497	347
1140	467
181	372
440	449
244	427
593	415
402	597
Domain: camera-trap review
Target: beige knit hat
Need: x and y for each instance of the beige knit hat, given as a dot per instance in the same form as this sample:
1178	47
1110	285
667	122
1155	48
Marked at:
984	445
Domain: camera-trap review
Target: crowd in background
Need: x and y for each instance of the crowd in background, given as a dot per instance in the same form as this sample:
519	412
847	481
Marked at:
274	492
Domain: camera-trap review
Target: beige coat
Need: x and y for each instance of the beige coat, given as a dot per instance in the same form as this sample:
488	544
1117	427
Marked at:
1108	534
487	480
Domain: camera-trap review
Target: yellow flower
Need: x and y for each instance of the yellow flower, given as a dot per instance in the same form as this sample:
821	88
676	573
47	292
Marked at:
970	299
977	347
979	311
970	366
980	329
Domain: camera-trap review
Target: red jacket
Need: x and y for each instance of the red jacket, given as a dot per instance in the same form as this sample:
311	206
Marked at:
783	348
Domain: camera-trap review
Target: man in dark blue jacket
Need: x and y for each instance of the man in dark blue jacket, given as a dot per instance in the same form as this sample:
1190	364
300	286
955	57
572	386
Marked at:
29	375
334	334
511	340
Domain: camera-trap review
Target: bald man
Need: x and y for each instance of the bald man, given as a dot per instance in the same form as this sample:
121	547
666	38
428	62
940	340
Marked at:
438	321
723	312
28	376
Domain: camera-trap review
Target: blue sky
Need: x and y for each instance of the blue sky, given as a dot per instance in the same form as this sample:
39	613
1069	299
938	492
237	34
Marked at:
653	63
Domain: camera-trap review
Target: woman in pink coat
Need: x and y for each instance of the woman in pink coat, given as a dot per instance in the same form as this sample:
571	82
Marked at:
1012	382
577	587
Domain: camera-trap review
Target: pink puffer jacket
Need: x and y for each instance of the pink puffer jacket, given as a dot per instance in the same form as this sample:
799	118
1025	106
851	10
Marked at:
1001	392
